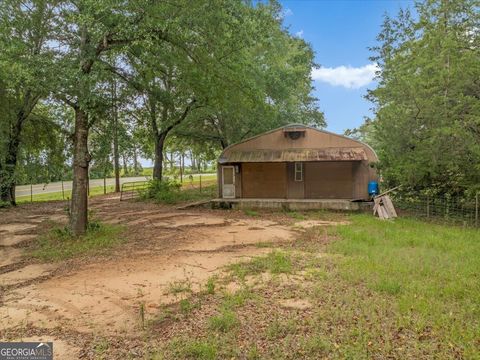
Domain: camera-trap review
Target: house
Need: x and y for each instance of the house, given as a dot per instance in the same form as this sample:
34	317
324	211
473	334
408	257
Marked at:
296	162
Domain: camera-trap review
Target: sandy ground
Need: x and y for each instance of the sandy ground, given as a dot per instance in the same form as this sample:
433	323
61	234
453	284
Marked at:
166	249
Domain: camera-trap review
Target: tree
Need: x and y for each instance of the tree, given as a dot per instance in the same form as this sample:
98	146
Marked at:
426	127
274	88
85	32
25	73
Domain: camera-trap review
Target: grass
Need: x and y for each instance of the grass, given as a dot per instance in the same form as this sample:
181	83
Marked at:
58	244
428	272
276	262
194	194
180	286
403	289
223	322
210	286
94	191
194	349
251	213
169	192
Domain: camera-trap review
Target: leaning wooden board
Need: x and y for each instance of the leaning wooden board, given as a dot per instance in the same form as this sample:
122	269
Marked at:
384	207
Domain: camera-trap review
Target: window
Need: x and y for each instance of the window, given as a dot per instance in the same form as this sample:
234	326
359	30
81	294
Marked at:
298	171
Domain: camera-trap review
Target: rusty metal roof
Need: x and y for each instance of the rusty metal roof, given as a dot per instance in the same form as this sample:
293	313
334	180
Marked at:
291	155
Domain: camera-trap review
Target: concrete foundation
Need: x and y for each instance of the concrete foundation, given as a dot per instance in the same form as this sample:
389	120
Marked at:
292	204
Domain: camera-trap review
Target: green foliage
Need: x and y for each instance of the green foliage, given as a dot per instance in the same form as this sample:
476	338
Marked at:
218	74
251	213
237	299
281	328
427	109
186	306
59	244
210	286
276	262
194	349
164	191
171	192
224	322
379	290
179	287
426	270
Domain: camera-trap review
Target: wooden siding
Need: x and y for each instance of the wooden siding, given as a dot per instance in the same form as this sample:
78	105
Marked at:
329	180
264	180
320	151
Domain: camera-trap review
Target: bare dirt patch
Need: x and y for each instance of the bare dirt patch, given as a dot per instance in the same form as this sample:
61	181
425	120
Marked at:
26	273
300	304
167	247
306	224
9	256
169	255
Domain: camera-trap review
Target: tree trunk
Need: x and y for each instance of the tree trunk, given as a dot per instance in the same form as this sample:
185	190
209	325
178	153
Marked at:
81	160
116	156
7	174
7	189
158	163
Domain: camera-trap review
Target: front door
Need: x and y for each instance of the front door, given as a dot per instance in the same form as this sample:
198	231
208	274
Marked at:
228	182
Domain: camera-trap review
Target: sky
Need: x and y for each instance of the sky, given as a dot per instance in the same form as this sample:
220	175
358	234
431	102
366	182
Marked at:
340	33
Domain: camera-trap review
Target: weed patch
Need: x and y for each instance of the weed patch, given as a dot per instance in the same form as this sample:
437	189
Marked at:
276	262
194	349
295	215
225	321
171	192
59	244
251	213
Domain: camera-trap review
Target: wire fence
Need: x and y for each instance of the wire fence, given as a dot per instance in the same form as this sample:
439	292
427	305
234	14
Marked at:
444	209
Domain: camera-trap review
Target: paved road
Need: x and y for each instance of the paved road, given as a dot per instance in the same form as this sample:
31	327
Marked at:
24	190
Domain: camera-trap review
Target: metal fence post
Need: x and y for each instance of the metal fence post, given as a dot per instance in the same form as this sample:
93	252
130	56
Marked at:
200	182
63	191
31	192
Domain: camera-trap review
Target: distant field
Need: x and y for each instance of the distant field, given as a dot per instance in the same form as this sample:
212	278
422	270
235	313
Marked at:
99	190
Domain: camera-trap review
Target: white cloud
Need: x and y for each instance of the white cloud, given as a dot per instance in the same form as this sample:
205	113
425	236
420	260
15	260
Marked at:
346	76
299	34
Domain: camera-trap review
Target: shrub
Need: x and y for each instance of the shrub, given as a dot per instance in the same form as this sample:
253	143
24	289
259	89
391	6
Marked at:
165	191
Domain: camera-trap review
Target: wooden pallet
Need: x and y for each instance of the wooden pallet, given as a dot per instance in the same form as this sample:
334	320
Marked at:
383	207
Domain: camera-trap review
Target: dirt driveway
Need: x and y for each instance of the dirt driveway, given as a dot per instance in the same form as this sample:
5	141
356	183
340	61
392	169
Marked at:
168	252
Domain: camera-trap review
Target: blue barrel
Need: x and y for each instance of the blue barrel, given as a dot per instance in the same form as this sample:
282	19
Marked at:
373	188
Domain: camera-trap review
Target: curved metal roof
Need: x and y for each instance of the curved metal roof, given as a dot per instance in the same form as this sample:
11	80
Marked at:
321	154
